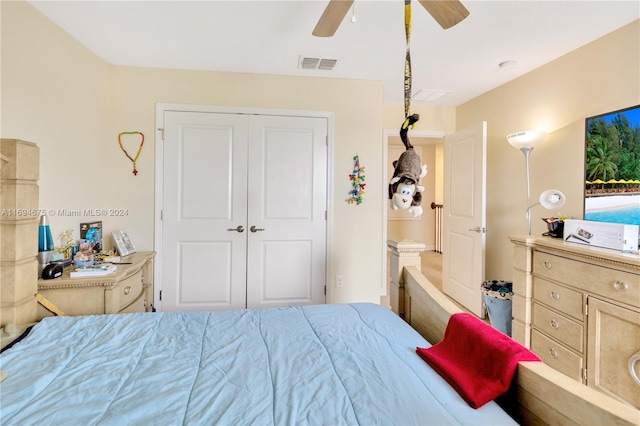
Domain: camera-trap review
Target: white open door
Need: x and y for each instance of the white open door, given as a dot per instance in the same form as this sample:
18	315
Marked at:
463	258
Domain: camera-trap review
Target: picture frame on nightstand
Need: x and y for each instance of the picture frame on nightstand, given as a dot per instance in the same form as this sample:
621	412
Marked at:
123	242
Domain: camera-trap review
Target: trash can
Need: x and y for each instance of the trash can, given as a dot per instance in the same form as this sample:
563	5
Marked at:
497	299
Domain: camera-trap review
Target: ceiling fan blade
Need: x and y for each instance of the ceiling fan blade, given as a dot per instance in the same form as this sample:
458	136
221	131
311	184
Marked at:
446	12
332	17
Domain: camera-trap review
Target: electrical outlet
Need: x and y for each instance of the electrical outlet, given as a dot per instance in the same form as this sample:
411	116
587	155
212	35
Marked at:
339	281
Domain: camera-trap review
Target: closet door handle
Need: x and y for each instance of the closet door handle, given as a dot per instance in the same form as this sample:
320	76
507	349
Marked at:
254	229
240	228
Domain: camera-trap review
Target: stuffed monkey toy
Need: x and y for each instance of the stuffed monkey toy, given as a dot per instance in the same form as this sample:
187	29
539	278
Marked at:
405	191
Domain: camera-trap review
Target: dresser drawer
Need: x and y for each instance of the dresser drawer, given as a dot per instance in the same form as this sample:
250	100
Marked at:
138	305
559	297
130	289
558	327
593	279
557	356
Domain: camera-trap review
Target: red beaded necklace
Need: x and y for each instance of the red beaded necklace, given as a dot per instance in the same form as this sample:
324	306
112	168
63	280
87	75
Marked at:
135	159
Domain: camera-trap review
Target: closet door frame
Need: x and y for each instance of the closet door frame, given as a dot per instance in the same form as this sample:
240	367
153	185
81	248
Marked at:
161	108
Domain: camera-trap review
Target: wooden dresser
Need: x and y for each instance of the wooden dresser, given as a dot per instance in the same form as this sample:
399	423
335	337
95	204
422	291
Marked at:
129	289
578	308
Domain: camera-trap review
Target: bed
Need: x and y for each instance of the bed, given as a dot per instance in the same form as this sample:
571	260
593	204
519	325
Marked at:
324	364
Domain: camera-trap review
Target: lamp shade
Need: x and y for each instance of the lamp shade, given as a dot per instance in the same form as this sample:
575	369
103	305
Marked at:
552	199
527	138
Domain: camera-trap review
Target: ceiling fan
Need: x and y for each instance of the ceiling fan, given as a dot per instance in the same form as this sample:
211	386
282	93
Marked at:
446	12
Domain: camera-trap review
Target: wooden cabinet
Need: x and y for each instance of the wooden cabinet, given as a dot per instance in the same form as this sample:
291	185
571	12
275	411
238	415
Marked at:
614	340
578	308
128	289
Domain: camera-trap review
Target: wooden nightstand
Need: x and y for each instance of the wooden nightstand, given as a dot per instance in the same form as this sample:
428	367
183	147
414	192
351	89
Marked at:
128	289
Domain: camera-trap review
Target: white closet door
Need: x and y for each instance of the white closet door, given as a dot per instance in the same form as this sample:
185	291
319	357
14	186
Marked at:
244	220
205	180
287	204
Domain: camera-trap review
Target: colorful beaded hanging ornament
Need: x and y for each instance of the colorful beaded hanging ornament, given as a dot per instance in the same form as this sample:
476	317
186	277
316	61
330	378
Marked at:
357	181
134	159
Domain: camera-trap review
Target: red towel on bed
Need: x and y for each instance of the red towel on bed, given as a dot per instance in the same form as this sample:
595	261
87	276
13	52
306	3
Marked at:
476	359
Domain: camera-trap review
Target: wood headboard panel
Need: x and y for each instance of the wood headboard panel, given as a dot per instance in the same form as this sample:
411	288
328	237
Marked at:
19	174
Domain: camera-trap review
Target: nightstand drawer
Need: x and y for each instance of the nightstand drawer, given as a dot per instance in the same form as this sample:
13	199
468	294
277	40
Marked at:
557	356
559	297
130	289
138	305
559	327
610	283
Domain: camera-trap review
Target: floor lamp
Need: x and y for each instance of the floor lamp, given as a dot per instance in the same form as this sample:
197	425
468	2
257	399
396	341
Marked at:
525	141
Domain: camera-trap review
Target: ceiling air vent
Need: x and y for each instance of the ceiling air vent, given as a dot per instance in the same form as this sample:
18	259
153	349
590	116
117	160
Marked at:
425	95
311	63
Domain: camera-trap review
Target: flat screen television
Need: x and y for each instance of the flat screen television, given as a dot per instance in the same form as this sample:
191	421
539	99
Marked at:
612	167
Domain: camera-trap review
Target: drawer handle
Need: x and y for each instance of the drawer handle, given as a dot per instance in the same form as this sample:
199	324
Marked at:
127	290
553	353
554	324
546	264
632	371
620	285
555	295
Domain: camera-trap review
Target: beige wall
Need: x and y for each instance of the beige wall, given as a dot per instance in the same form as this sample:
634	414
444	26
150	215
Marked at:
58	94
61	96
599	77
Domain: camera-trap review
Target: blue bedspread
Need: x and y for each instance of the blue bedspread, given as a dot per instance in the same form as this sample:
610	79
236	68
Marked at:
325	364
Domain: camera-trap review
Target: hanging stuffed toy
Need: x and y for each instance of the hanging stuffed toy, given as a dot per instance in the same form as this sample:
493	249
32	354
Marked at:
405	191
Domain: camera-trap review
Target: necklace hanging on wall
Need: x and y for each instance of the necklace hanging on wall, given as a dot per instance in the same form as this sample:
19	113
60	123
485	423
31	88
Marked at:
134	159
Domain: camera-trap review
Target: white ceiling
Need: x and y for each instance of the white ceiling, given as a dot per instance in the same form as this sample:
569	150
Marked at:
267	36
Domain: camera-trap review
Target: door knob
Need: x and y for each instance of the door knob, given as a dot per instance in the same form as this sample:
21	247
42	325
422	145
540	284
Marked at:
478	230
254	229
240	228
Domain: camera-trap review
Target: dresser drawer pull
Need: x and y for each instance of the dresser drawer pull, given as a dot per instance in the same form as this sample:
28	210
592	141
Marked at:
554	324
127	290
553	353
555	295
632	363
546	264
620	285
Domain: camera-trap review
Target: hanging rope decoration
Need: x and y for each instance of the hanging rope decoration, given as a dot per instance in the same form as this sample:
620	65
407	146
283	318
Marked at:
407	60
405	191
357	181
134	159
